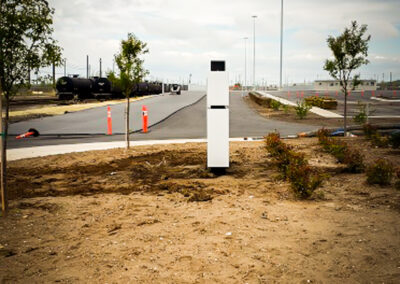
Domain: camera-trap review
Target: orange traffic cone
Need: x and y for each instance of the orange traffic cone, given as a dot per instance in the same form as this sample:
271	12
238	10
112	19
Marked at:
31	132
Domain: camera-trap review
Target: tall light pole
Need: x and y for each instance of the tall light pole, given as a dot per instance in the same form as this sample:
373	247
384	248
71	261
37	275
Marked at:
245	62
280	74
65	67
254	52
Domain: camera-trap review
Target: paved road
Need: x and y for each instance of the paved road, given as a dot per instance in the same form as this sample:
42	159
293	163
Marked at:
378	108
95	120
187	123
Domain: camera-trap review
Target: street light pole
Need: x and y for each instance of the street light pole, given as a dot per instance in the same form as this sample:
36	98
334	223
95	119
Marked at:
245	62
254	52
65	67
280	75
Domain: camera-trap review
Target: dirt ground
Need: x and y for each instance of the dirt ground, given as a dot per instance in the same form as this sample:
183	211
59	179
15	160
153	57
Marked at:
311	118
154	214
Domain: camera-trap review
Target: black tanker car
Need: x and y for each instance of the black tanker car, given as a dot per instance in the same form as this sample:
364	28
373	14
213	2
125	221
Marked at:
69	88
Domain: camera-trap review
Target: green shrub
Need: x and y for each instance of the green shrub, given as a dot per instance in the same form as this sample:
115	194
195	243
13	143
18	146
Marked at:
397	183
285	108
362	115
395	139
275	104
379	141
354	161
381	172
369	130
325	103
302	109
323	138
293	166
304	180
340	150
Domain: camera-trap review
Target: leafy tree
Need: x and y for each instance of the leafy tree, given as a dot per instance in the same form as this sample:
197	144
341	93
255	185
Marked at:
131	70
26	44
350	51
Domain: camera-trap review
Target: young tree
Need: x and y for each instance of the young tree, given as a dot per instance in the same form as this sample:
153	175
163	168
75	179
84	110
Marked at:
25	44
131	70
350	51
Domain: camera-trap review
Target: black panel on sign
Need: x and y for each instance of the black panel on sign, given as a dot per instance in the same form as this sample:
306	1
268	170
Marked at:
217	65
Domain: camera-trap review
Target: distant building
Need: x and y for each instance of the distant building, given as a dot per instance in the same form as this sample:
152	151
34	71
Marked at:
334	85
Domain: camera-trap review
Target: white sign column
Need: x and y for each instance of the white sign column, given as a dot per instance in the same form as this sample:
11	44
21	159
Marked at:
218	116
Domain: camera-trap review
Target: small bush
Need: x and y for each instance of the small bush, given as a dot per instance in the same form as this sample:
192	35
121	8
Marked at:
362	115
378	140
381	172
395	139
293	166
369	130
285	108
354	161
397	183
302	109
275	104
304	180
340	150
325	103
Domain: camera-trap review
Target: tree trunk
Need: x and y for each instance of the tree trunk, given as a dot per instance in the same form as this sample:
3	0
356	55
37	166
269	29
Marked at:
345	113
127	122
3	150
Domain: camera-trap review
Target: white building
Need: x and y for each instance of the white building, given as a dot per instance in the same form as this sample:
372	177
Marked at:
334	85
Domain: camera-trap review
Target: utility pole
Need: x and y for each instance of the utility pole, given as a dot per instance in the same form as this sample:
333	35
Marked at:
65	67
100	69
254	52
281	55
54	74
390	77
4	197
245	61
87	66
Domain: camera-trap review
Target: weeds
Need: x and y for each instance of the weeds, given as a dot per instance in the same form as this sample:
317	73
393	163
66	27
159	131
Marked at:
381	172
293	166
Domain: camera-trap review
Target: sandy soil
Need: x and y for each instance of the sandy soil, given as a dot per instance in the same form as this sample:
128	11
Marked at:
311	118
156	215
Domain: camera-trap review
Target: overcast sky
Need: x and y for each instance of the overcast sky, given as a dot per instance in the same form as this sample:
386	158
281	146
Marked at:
183	36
